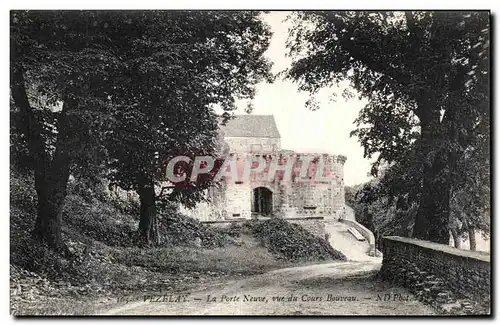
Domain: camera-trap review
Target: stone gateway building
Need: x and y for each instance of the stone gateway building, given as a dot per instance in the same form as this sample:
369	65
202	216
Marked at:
254	137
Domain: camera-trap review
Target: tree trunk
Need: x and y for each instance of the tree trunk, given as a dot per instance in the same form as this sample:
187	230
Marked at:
472	238
432	218
456	238
49	218
51	177
147	224
52	192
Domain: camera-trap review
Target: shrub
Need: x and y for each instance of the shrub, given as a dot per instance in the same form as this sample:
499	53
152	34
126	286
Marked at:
97	221
234	229
22	191
178	229
291	241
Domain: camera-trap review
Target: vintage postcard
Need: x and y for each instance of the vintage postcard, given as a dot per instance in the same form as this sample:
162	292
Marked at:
278	163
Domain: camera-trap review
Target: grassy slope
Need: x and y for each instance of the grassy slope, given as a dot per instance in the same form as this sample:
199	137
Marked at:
106	265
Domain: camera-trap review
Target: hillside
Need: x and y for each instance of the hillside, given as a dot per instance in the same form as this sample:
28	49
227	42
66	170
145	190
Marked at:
105	264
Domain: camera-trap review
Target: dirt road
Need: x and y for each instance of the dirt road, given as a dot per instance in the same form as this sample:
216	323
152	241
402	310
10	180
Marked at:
343	288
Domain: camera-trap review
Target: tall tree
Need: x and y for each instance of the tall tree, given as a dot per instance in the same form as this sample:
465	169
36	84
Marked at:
180	65
59	71
154	73
470	196
412	67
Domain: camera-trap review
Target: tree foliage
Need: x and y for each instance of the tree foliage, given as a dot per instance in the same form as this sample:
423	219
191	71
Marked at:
124	91
179	66
426	78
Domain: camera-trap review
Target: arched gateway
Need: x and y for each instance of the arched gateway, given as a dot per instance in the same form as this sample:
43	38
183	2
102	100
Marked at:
262	200
252	137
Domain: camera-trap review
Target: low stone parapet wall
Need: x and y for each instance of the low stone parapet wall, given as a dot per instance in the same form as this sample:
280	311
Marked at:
365	232
454	280
314	225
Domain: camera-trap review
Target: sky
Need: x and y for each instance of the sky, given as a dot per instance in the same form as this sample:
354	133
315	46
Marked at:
324	130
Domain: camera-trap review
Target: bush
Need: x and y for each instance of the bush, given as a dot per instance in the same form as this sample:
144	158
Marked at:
98	221
22	191
37	257
178	229
234	229
291	241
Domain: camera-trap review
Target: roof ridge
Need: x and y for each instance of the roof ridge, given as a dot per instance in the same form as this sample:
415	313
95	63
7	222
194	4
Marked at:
249	125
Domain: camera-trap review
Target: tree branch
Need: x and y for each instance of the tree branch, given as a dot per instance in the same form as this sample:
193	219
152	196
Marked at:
410	22
362	55
159	196
32	128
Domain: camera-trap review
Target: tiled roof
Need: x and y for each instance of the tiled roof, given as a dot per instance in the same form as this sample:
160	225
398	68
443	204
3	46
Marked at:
249	125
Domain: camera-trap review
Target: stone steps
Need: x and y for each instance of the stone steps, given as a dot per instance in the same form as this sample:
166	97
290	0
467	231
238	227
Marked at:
356	234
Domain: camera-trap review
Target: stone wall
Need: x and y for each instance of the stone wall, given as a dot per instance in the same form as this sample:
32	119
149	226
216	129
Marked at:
239	202
366	233
314	225
254	144
211	210
223	223
290	199
439	274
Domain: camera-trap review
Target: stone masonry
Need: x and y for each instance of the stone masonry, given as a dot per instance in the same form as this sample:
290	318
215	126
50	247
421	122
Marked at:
452	280
247	137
